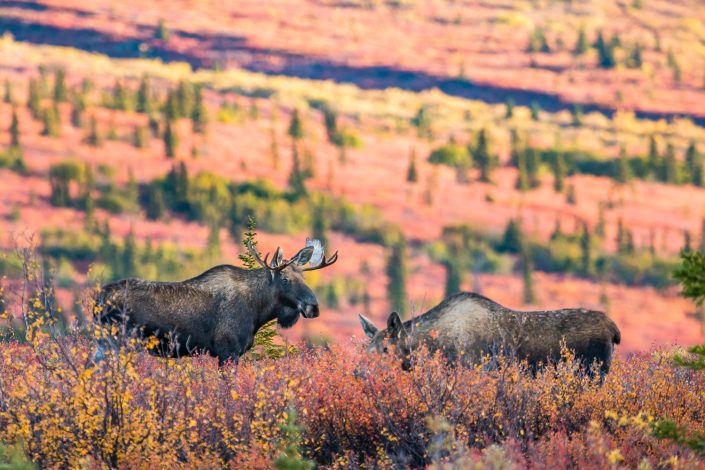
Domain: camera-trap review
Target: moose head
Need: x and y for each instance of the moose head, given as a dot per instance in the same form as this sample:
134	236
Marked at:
394	338
287	282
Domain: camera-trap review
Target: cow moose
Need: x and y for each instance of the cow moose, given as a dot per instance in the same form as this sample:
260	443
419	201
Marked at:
468	326
219	311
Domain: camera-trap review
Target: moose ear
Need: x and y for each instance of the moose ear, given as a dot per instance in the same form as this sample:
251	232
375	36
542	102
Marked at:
277	258
368	327
304	256
394	324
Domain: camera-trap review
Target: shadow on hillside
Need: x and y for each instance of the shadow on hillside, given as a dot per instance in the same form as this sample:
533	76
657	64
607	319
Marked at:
203	50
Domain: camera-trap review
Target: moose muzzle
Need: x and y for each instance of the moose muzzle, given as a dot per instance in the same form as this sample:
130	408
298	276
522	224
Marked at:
309	310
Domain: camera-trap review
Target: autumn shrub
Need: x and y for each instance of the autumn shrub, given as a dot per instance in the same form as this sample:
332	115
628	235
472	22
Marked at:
338	407
138	410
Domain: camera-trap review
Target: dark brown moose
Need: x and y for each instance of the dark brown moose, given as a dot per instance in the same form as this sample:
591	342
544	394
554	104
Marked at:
219	311
467	326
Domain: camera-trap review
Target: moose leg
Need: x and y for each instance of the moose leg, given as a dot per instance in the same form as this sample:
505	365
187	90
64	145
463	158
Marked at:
227	348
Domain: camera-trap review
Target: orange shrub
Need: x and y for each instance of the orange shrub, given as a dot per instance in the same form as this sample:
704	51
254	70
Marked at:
136	410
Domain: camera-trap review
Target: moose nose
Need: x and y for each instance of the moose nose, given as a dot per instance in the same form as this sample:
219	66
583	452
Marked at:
311	311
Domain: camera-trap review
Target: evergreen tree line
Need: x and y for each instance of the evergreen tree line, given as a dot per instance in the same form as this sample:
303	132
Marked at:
185	101
662	166
465	251
610	51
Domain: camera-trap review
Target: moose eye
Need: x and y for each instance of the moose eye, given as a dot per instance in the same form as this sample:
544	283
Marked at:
385	350
285	281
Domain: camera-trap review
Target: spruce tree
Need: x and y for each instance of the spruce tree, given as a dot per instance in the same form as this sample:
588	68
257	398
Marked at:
176	188
199	113
290	457
7	96
319	223
454	276
422	122
670	172
654	159
581	44
396	271
249	239
296	177
529	296
156	205
586	261
50	121
576	112
535	111
509	111
330	120
605	52
171	106
625	239
570	196
297	183
515	147
34	100
86	194
694	165
264	345
170	139
184	98
153	125
532	167
687	241
412	175
120	99
14	130
482	157
560	169
635	57
538	42
522	183
78	106
60	92
93	138
557	231
512	238
296	128
600	227
623	171
143	100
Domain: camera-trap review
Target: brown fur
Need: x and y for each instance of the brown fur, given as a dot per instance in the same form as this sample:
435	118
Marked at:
469	325
217	312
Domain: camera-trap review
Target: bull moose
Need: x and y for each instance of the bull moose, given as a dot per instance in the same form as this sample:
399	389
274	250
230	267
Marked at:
217	312
467	326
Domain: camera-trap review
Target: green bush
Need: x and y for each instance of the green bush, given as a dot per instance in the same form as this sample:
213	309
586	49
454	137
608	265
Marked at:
453	155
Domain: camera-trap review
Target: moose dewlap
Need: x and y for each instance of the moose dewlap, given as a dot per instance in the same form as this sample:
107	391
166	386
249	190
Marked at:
470	326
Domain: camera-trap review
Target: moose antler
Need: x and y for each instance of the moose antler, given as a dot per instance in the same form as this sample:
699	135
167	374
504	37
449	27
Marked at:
255	254
275	265
324	262
278	264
